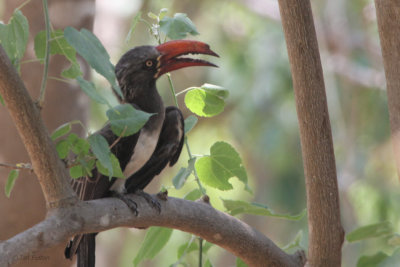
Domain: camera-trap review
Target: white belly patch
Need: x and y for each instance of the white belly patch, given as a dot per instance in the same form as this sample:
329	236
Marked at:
144	148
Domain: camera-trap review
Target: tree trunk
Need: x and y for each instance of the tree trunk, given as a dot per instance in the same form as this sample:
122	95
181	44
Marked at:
388	13
63	103
325	230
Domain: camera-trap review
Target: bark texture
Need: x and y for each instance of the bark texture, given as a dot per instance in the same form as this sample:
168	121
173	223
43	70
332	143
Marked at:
325	231
388	15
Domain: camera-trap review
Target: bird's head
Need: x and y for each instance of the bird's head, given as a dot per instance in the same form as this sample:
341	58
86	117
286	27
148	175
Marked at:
140	67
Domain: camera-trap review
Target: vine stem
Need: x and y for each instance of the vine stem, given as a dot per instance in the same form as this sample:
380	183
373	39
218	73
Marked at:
46	56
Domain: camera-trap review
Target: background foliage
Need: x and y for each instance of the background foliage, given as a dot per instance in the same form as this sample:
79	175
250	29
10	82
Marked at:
260	121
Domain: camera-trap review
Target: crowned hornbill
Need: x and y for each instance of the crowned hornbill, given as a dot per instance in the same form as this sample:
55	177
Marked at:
146	153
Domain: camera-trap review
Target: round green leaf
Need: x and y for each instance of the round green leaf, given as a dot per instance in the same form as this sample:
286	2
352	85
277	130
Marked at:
204	104
222	164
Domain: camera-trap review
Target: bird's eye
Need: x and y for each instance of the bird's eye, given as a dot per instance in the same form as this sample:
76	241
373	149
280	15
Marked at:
149	63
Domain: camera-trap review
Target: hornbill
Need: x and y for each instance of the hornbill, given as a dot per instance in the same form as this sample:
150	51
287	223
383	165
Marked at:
145	154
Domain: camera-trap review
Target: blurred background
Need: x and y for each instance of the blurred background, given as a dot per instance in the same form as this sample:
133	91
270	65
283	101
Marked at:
260	118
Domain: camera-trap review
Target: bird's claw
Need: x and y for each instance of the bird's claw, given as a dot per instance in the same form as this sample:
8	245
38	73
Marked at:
153	202
128	201
163	195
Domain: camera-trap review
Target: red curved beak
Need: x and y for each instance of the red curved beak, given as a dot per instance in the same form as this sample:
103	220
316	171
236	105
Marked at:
172	51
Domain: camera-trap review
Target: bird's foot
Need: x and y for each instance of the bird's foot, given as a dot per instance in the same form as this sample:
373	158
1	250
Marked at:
163	195
153	202
128	201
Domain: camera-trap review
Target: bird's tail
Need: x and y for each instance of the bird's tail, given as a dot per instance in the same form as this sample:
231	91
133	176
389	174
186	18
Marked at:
86	251
84	246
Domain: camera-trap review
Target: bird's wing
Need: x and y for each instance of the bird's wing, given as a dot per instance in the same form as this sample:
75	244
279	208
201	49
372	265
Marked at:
98	185
168	149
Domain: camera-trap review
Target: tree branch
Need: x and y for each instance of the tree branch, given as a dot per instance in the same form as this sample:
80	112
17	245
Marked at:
388	13
198	218
51	172
325	231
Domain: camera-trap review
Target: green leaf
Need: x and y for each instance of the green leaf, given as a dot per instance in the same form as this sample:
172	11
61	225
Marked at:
156	238
186	248
240	263
177	27
190	246
235	207
91	49
2	101
208	263
133	26
222	164
190	122
102	152
117	172
152	15
72	72
193	195
372	261
392	260
370	231
58	46
78	145
126	119
162	13
295	243
207	100
180	178
12	176
62	148
90	90
77	171
63	129
14	37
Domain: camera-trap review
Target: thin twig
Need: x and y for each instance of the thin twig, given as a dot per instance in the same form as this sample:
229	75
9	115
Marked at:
47	54
19	166
119	137
60	79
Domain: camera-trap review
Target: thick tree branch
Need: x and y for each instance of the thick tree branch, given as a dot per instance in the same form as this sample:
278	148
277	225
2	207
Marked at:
325	230
198	218
388	15
51	172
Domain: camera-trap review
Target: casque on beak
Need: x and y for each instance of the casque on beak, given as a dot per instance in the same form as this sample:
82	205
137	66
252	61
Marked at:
171	51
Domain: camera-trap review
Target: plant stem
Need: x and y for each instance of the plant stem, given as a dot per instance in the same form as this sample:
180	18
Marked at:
22	5
200	252
171	85
47	54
